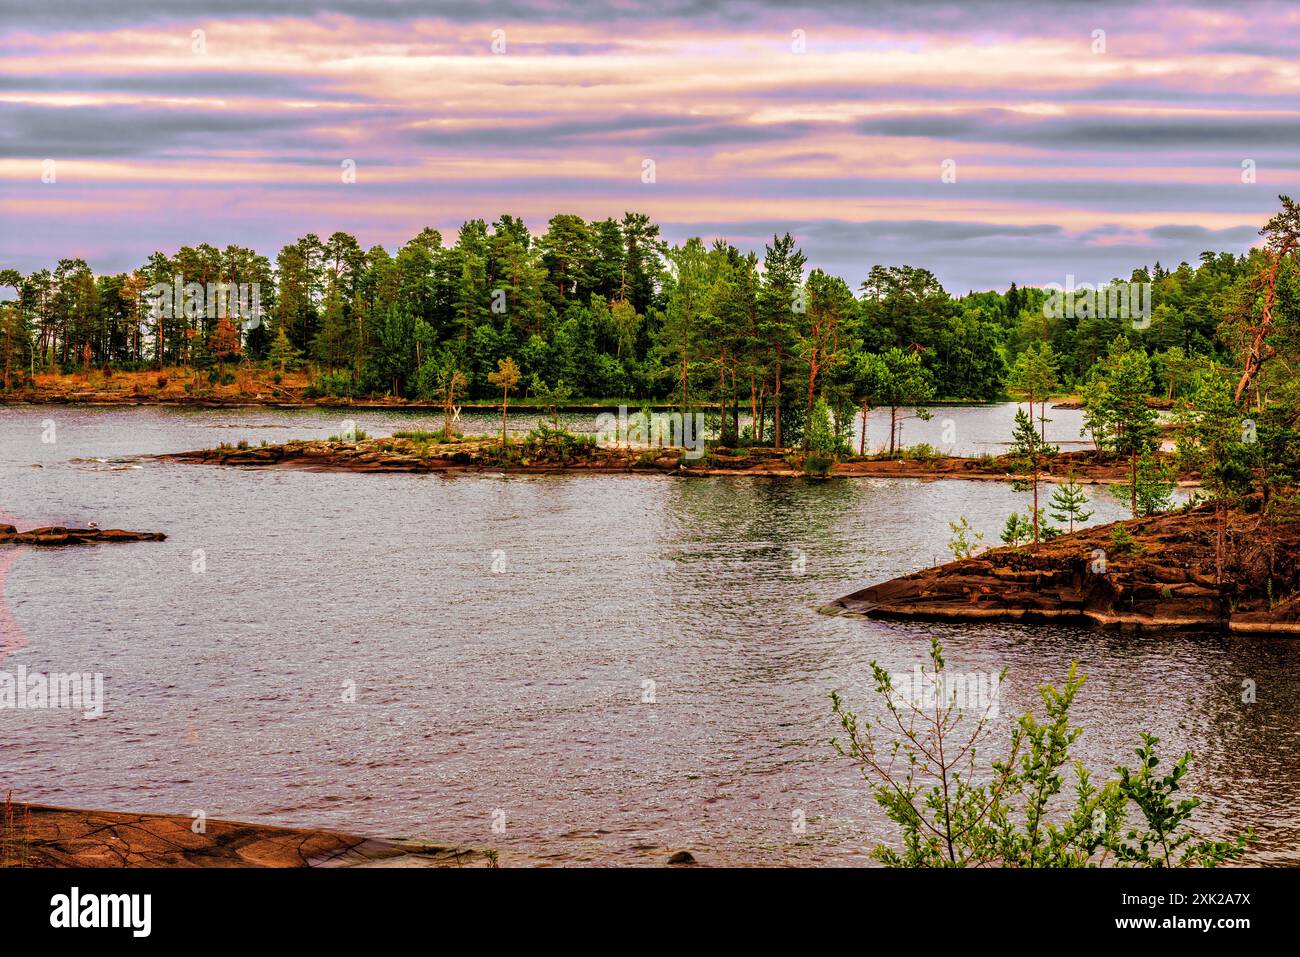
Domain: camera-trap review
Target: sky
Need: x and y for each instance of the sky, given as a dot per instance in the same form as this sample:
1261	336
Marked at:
990	141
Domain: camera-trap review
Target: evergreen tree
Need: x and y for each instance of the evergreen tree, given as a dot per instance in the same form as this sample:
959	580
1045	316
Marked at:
1119	404
780	301
1067	503
282	354
1029	450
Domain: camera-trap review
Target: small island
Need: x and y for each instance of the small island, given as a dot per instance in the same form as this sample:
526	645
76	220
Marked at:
1158	573
552	451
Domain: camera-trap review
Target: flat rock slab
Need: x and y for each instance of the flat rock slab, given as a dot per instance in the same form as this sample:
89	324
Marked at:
57	535
39	835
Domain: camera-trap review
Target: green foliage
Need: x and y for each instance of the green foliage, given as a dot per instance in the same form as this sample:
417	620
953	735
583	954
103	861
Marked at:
1028	451
1117	410
1031	806
1122	541
965	541
545	445
1018	530
1161	840
818	464
921	452
336	384
1067	503
552	397
1155	484
820	434
892	379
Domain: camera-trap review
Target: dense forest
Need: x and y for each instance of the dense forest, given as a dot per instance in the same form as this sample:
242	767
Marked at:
608	309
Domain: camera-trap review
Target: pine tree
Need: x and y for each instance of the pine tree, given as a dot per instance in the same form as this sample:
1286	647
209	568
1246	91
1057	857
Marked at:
552	397
282	354
333	343
1034	377
1156	482
1029	450
1119	404
1018	530
507	377
779	304
822	335
1067	503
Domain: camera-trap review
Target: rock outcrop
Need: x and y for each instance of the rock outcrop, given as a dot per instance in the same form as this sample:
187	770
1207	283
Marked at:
57	535
1165	579
401	454
38	835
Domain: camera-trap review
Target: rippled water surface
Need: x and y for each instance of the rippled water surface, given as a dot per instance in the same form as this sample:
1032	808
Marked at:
516	695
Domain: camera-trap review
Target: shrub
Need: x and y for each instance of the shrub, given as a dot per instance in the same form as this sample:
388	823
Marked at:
1018	530
421	435
1122	541
332	384
556	446
922	452
818	465
951	812
965	540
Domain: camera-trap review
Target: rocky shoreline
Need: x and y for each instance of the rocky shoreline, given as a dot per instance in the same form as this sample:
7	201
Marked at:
58	535
397	454
40	835
1165	581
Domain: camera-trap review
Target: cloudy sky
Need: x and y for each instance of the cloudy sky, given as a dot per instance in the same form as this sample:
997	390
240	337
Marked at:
1074	152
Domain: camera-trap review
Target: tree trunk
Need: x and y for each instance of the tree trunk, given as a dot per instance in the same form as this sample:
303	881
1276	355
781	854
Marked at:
754	428
862	442
776	407
893	428
807	419
1035	501
1133	483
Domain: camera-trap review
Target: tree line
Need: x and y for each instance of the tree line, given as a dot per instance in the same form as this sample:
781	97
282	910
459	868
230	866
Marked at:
608	309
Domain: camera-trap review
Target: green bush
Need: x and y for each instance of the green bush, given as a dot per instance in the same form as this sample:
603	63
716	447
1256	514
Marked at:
546	445
818	464
333	385
922	452
952	810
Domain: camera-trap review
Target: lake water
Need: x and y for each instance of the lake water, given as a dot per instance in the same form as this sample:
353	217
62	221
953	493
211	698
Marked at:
501	632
